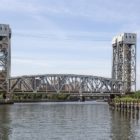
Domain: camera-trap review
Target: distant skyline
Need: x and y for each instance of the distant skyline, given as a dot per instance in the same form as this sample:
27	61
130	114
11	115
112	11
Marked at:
68	36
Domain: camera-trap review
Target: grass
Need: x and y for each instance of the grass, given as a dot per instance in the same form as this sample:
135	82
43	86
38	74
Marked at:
135	97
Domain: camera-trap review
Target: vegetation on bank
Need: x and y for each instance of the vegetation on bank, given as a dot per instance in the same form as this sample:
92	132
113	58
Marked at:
43	97
40	96
133	97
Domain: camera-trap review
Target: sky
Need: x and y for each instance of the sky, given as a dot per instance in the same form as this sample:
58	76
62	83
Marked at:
68	36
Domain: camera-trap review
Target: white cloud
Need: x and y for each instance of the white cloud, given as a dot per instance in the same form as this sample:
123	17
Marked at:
19	6
30	66
65	38
47	35
95	10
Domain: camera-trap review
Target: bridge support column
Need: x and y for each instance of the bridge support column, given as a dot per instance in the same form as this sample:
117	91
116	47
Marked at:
82	98
5	59
124	61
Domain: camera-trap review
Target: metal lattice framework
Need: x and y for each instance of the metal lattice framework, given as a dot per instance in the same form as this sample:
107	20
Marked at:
123	71
5	56
64	83
124	60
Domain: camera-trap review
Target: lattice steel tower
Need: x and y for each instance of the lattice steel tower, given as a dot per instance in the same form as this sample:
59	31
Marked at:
5	56
124	60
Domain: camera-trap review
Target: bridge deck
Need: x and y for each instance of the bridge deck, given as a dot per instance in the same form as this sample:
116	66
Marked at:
64	83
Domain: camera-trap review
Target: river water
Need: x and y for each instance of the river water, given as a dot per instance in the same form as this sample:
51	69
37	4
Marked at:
67	121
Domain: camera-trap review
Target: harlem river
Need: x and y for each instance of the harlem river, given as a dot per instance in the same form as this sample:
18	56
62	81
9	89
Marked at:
67	121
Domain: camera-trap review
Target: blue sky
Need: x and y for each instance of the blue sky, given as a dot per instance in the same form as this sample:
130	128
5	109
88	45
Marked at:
68	36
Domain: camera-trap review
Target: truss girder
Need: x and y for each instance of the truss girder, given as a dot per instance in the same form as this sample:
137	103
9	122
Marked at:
64	83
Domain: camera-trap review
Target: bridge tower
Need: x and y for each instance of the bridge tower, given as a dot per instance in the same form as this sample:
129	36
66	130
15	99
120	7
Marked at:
124	60
5	56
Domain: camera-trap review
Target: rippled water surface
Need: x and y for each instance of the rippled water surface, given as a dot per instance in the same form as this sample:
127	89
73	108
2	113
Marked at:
67	121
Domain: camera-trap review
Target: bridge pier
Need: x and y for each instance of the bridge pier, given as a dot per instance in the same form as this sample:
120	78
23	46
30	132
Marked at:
82	98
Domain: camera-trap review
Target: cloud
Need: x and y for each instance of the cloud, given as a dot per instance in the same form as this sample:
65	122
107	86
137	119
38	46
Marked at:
19	5
96	67
59	66
98	10
62	36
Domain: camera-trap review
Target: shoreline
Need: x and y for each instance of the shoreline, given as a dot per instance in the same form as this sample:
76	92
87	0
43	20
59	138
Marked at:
2	102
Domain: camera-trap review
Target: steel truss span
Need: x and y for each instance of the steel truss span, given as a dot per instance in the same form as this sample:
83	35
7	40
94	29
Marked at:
64	83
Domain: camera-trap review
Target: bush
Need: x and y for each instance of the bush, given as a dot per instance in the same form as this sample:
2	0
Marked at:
135	97
62	96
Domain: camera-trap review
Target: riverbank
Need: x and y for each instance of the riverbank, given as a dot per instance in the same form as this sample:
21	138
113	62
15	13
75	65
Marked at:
133	105
127	102
49	97
2	102
38	97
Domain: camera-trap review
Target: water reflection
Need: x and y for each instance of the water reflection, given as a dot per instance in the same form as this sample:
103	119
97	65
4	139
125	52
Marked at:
67	121
123	124
60	121
5	121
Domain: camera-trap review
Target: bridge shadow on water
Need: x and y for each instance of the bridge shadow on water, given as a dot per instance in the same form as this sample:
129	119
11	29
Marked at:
125	124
